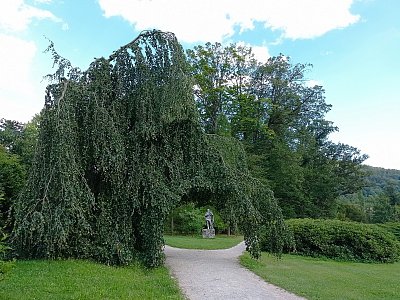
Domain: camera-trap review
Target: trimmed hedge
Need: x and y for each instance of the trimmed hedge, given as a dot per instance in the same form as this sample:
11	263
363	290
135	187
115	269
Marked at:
343	240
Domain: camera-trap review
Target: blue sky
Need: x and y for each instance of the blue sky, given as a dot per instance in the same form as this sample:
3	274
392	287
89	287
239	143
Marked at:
353	46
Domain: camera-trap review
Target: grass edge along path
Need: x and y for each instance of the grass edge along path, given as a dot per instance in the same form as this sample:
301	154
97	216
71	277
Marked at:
327	279
198	242
79	279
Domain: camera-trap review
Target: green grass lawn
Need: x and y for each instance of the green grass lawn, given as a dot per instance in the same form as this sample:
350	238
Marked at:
77	279
197	242
326	279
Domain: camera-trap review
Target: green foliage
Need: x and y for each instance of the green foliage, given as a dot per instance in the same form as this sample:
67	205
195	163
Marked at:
393	227
17	146
86	280
186	219
5	266
20	139
344	240
120	145
380	180
220	74
281	123
382	211
189	219
379	199
351	212
12	179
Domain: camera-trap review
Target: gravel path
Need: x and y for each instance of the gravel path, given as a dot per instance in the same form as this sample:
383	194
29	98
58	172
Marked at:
217	274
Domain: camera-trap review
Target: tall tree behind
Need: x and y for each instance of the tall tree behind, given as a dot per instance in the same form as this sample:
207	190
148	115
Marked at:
221	76
17	148
20	139
281	122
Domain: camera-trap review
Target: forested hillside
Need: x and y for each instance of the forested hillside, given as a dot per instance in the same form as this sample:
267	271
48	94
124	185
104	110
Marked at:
379	179
377	202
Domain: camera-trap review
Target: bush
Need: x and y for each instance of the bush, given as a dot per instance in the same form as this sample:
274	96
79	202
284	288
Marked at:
188	219
185	219
5	266
343	240
393	227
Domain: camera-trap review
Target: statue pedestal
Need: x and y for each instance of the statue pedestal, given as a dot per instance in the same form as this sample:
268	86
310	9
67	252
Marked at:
208	233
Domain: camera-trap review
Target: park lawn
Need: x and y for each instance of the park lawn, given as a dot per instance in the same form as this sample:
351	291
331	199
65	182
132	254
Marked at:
79	279
327	279
197	242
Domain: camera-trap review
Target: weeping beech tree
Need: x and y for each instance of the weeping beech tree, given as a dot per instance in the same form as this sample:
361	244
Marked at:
120	146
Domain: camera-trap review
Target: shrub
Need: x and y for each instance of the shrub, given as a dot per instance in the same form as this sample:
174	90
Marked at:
185	219
188	219
344	240
5	266
393	227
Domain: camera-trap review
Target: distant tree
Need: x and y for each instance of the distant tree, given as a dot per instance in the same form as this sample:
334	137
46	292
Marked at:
392	194
210	68
12	180
351	212
10	133
221	81
20	139
382	210
379	198
306	170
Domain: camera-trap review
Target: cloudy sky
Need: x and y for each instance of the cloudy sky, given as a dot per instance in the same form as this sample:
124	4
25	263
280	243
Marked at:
354	46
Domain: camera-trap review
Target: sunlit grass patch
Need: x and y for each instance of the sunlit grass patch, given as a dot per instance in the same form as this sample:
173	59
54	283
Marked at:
77	279
198	242
327	279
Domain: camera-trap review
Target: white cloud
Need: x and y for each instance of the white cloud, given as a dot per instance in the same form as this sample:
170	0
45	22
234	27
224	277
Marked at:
210	20
261	53
15	15
18	90
21	93
311	83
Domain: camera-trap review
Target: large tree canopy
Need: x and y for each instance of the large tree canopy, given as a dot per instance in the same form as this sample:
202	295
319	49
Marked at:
120	145
280	120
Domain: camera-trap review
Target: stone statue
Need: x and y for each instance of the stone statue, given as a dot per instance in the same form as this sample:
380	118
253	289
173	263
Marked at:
209	219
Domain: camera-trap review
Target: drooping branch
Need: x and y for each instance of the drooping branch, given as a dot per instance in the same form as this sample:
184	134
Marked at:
118	150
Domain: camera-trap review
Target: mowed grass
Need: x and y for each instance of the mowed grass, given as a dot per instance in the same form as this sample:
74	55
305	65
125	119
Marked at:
197	242
326	279
77	279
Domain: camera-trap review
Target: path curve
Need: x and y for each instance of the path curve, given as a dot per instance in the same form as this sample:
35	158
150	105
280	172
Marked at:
217	274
